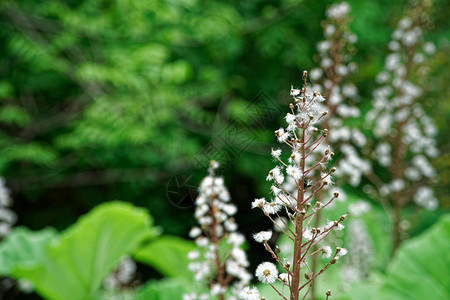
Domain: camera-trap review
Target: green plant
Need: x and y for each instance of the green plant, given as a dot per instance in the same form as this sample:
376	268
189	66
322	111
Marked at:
73	264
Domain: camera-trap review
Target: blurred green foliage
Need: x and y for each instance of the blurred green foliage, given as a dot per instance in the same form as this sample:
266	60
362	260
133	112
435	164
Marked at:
74	264
108	100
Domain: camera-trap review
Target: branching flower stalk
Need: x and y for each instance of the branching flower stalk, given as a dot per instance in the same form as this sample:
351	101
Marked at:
300	208
404	139
332	80
220	262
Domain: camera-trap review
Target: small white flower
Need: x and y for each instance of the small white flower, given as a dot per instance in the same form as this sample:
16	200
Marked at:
323	46
326	250
194	254
338	226
329	30
214	165
294	172
259	203
276	191
282	135
262	236
319	98
284	278
203	297
382	77
429	48
328	180
275	174
267	272
307	234
236	239
249	294
191	296
216	289
290	118
359	207
343	252
341	70
405	23
229	209
294	92
326	62
195	232
230	225
276	153
202	241
239	256
272	208
315	74
205	220
232	267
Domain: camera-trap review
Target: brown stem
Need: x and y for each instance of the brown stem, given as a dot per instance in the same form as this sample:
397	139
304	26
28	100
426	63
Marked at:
396	230
299	218
315	258
220	267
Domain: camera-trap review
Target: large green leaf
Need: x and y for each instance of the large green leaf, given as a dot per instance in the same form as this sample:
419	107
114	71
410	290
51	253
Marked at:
75	267
421	267
24	247
165	289
419	270
168	255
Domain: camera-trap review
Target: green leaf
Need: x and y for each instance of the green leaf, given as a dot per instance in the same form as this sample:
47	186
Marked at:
6	89
24	247
35	152
168	255
421	267
87	252
419	270
166	289
14	115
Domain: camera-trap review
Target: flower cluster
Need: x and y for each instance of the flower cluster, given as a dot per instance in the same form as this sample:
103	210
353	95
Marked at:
332	80
357	265
7	216
405	135
122	277
219	261
292	213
